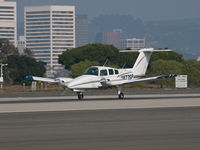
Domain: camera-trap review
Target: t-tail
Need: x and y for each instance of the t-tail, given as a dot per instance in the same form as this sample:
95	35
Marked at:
141	64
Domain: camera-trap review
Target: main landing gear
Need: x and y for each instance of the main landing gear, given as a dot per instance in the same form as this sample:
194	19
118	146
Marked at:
80	95
120	93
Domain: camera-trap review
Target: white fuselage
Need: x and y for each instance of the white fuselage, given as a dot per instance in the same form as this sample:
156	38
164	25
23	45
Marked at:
106	77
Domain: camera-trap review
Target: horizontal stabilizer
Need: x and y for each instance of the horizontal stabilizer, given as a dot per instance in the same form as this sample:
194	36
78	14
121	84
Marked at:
148	50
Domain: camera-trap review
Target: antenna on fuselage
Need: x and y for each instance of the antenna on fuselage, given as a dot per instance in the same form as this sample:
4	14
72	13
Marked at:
105	62
124	65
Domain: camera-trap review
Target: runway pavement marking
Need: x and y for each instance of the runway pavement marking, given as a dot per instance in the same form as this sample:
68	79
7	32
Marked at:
100	104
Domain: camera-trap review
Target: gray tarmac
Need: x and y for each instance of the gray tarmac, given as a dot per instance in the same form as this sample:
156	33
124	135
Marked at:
98	92
155	120
130	129
91	102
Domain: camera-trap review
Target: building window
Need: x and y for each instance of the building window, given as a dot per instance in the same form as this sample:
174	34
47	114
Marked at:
6	7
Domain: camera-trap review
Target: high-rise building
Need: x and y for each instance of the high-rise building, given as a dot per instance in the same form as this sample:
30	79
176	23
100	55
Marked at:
49	30
81	30
112	38
8	21
21	44
133	43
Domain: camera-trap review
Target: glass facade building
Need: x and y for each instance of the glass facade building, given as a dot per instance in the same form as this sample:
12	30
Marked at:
81	30
8	21
49	30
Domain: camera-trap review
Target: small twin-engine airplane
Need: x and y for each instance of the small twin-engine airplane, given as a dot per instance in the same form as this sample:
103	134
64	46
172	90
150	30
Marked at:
103	77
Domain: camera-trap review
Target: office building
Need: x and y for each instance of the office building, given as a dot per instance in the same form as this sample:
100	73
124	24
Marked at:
81	30
111	38
133	43
8	21
21	44
49	30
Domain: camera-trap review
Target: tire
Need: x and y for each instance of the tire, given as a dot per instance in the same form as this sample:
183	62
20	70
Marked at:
121	96
80	96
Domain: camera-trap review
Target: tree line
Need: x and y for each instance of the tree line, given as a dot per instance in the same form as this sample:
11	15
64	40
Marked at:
78	59
18	66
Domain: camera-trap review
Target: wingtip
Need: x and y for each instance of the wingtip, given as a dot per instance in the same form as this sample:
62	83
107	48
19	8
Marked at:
29	77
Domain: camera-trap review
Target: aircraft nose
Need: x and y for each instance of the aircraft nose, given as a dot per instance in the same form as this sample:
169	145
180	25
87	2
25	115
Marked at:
70	85
73	84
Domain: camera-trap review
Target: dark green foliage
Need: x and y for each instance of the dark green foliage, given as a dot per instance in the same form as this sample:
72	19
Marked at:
99	53
91	52
6	49
167	56
78	59
192	69
185	67
21	66
126	60
79	68
28	52
18	66
162	67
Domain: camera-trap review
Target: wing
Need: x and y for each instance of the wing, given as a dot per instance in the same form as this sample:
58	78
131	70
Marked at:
42	79
150	78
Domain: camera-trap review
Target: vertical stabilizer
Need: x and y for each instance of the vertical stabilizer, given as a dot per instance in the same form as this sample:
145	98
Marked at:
141	63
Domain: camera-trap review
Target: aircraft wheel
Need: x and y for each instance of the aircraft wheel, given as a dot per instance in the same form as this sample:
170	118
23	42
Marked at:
80	96
121	96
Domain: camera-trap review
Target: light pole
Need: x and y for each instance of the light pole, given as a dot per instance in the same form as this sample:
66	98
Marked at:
1	77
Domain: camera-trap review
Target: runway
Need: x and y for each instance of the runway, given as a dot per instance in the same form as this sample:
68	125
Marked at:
91	102
140	122
130	129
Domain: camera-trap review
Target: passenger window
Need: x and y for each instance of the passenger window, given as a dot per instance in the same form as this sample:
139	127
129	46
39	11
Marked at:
103	73
116	72
111	72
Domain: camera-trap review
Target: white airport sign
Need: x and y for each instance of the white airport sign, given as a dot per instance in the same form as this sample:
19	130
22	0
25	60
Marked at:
181	81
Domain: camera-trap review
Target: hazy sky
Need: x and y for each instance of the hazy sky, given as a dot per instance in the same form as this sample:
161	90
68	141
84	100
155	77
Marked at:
144	9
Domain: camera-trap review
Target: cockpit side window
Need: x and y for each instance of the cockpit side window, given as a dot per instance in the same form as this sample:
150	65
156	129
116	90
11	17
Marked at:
116	72
103	72
111	72
91	71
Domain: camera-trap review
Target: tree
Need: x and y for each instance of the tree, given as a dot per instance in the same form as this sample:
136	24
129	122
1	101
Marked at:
162	67
91	52
192	69
6	49
28	52
79	68
21	66
167	56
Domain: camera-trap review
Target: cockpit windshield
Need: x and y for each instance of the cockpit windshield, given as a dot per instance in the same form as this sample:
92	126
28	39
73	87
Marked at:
91	71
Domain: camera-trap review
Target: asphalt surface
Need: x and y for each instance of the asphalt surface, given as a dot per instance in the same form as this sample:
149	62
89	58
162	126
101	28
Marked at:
130	129
98	92
68	103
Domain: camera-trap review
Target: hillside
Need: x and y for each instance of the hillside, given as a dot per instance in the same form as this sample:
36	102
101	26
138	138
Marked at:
181	35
